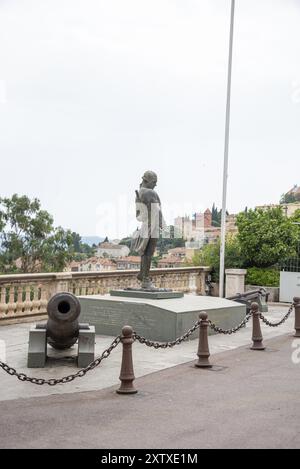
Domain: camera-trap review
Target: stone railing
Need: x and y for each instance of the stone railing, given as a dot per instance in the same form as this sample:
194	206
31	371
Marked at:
27	295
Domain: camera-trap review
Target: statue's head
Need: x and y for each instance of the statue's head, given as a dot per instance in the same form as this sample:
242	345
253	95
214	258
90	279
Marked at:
150	179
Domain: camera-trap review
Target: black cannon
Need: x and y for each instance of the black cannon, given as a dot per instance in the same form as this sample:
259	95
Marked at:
259	296
62	326
61	331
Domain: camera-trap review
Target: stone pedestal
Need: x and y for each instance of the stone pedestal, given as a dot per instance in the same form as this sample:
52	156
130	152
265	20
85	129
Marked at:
235	281
37	349
152	295
161	319
86	346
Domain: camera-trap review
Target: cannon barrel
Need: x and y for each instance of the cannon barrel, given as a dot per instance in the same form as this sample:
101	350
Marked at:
62	326
260	296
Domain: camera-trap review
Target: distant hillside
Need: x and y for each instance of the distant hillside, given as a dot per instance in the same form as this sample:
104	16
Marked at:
90	240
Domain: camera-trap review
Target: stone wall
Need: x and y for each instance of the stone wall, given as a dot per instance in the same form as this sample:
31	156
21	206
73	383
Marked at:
273	291
27	295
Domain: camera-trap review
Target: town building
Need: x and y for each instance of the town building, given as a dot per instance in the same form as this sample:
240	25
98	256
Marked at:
294	193
74	266
231	226
93	264
111	250
290	202
212	234
288	209
183	227
170	262
179	253
200	231
128	263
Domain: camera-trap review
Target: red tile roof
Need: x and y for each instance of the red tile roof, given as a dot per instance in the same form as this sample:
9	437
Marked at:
130	259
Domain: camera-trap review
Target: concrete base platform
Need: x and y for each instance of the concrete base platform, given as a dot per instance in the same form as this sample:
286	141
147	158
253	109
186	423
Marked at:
161	320
152	295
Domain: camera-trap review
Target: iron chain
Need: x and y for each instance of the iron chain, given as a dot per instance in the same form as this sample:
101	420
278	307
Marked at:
79	374
66	379
158	345
219	330
276	324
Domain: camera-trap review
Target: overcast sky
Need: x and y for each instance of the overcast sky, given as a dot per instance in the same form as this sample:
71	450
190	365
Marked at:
94	92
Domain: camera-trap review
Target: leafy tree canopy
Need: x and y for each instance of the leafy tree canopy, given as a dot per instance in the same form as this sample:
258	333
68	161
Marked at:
209	255
266	237
81	250
28	240
216	216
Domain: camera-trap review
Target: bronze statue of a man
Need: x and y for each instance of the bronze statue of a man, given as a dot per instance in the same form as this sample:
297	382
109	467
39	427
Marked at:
148	211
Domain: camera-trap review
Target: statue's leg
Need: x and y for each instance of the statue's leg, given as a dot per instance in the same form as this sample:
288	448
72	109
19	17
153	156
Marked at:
146	263
145	268
146	281
151	247
140	274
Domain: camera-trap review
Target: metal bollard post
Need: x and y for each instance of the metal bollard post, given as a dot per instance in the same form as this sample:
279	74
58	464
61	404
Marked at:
297	316
127	375
203	349
256	330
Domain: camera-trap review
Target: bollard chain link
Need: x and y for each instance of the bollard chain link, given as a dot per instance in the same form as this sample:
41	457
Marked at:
158	345
219	330
276	324
163	345
66	379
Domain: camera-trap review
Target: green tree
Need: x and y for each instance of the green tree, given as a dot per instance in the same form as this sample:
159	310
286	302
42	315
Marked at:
81	248
155	260
76	242
209	255
266	237
296	218
28	235
216	216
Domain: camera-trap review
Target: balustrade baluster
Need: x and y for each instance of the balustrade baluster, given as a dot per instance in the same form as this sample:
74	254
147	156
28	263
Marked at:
43	299
27	303
11	302
3	303
36	303
20	301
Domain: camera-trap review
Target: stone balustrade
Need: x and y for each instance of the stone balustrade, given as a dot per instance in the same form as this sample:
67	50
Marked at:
27	295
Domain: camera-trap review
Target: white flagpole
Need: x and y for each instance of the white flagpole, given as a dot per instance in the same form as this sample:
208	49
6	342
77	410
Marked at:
225	169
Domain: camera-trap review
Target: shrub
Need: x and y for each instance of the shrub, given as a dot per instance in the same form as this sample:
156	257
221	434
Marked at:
263	277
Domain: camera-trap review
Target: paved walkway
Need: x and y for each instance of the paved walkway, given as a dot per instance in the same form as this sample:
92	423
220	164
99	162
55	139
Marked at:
146	360
250	400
